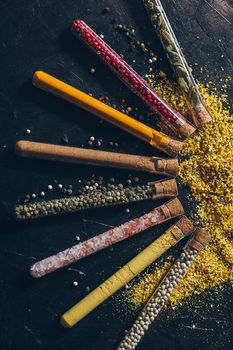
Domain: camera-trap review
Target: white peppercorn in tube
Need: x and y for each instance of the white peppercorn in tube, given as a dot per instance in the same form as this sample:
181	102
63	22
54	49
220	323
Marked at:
159	299
178	62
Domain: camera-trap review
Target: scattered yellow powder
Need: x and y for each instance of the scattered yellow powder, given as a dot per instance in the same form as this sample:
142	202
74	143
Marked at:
208	169
140	292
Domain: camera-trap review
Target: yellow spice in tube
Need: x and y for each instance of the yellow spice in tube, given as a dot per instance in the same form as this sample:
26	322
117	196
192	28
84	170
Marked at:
153	137
168	239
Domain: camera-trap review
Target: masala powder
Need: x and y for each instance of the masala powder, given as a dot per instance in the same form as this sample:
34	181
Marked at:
206	166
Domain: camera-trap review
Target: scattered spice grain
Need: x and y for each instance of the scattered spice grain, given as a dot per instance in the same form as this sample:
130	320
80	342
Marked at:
178	62
199	240
126	273
133	80
207	168
96	197
79	251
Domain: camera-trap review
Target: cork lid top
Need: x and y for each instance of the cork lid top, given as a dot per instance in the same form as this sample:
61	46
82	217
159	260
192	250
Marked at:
174	147
200	239
200	114
166	166
175	207
185	225
165	188
187	129
181	228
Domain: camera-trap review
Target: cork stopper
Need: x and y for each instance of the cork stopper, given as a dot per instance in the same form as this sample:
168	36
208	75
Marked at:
166	166
200	115
185	225
185	128
172	208
200	239
163	189
181	228
173	147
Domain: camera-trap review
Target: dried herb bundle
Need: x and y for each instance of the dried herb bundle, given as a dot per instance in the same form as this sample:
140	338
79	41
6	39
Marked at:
178	62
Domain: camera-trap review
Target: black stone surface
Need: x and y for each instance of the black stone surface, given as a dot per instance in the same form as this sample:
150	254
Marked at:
35	35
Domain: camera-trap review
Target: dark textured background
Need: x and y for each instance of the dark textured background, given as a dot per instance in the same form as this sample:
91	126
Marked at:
35	35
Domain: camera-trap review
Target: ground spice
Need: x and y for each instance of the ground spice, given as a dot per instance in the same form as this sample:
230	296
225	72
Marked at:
126	273
155	138
159	299
40	150
133	80
140	292
207	168
158	215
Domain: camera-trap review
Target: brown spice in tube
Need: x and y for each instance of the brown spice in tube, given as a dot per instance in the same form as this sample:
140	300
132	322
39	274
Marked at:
67	154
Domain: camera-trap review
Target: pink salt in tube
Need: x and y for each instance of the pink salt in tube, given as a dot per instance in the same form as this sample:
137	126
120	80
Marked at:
132	79
79	251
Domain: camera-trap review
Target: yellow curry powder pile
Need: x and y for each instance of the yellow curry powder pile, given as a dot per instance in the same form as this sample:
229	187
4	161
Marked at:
207	168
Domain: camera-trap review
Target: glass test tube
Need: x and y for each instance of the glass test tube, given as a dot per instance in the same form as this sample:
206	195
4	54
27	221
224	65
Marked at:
132	79
178	62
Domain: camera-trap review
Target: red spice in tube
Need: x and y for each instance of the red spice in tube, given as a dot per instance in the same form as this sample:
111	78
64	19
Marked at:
79	251
132	79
